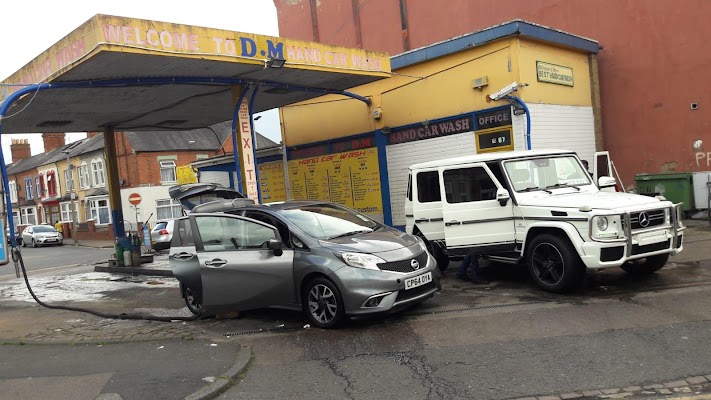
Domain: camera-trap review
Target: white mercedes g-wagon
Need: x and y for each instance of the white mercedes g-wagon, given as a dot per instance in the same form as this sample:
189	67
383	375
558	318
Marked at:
540	207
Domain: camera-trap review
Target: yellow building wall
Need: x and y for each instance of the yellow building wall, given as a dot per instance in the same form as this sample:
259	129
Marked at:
434	89
528	52
440	88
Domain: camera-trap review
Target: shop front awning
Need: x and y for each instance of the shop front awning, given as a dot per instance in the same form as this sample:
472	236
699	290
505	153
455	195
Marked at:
148	75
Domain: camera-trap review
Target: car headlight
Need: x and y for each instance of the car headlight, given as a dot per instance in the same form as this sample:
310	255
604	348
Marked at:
679	216
361	260
423	245
602	223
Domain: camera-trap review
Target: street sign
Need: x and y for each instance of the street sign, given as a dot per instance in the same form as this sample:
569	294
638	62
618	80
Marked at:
134	199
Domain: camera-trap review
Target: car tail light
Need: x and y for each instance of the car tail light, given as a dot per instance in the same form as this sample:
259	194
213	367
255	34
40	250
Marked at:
163	232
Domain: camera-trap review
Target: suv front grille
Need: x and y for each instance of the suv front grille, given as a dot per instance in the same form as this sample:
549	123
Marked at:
647	219
405	266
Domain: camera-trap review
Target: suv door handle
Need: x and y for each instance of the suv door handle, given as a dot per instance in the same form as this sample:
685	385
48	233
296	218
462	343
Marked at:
453	222
217	262
183	256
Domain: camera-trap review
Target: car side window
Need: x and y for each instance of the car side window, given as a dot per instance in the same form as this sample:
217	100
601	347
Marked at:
268	219
220	233
464	185
428	187
409	186
183	234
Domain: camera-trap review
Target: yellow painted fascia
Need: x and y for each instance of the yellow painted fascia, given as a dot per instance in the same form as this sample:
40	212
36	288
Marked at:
138	36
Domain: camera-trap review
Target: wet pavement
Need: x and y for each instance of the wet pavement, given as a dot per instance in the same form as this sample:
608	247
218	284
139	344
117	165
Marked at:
501	340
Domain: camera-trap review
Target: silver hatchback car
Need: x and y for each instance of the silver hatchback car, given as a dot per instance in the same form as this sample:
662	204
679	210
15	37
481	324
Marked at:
319	257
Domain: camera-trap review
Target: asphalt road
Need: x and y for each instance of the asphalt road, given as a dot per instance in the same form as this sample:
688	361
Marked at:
57	256
500	341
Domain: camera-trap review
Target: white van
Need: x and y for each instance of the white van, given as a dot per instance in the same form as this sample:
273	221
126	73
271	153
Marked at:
539	207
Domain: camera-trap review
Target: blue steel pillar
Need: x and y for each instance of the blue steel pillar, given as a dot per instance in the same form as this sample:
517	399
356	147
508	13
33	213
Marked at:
112	177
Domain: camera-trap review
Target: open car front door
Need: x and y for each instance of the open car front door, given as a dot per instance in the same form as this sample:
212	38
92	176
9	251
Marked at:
602	167
240	266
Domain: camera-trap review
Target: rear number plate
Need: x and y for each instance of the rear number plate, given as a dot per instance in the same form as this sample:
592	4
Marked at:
419	280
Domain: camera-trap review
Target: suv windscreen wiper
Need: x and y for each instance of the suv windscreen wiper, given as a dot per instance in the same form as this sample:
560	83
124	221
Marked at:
560	185
350	234
533	188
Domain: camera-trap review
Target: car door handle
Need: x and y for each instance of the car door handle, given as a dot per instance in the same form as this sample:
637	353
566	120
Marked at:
183	256
217	262
453	222
421	220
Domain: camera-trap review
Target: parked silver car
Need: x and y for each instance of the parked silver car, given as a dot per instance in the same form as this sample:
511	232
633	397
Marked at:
41	235
319	257
162	234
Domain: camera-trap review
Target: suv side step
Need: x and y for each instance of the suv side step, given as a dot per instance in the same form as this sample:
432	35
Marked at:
504	259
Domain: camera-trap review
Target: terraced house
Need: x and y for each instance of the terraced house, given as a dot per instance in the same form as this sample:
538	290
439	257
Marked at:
68	182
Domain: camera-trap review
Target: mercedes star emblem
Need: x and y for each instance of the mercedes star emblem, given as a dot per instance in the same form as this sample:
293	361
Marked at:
415	264
643	219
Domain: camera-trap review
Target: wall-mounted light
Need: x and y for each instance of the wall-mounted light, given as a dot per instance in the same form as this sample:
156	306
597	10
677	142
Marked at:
275	63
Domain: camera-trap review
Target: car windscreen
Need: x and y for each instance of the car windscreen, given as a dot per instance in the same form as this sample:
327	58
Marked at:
44	229
326	221
546	173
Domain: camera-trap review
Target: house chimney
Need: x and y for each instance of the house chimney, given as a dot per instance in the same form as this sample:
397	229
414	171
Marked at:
90	135
52	141
20	149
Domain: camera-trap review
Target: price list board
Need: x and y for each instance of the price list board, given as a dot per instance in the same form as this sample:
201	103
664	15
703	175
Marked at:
271	181
351	178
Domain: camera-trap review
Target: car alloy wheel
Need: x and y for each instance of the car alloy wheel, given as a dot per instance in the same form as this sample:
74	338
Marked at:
548	264
323	303
191	300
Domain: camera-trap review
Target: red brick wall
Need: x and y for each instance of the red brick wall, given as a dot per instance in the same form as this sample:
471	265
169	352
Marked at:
653	63
53	141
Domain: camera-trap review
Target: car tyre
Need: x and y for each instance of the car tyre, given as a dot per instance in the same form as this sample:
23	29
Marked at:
438	254
34	244
554	265
192	300
24	244
323	304
650	265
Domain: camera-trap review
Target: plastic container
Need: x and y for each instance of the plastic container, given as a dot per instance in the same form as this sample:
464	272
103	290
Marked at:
677	187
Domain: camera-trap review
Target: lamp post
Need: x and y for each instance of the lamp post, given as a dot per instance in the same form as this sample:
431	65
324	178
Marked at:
72	196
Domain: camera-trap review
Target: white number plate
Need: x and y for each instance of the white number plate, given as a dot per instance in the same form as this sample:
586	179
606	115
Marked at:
419	280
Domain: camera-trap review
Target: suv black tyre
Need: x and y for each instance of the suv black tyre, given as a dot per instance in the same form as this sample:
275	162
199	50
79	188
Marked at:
438	254
553	264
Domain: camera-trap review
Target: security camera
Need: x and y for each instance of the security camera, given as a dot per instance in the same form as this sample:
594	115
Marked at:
507	90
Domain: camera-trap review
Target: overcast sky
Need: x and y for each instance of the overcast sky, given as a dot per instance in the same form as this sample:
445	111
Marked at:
27	28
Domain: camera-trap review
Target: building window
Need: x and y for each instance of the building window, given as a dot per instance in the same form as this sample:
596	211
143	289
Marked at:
166	209
97	169
13	191
69	180
37	187
16	218
66	209
167	172
41	186
84	176
99	209
29	216
51	184
28	189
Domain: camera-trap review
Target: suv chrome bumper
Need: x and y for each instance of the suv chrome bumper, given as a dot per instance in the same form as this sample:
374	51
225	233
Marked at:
636	244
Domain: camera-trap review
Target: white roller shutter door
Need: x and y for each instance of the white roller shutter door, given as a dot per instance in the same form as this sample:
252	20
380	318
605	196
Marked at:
219	177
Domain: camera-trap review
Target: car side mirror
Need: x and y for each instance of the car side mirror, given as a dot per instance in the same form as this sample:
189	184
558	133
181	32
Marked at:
606	181
275	246
503	196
